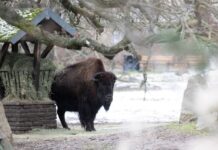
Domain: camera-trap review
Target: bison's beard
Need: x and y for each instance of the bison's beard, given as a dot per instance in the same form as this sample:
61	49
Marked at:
106	106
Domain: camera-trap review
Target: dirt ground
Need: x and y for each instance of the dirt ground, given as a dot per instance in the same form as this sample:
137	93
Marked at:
109	137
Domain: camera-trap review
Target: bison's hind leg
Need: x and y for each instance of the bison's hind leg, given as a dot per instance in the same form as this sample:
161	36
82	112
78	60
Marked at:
61	113
92	126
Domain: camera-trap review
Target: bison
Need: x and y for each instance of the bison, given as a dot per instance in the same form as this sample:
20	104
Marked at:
83	87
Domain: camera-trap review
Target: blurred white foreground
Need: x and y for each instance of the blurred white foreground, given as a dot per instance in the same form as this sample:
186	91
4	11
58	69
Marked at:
161	103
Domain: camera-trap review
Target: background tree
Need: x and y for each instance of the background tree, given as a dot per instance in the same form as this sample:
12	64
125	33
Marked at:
140	22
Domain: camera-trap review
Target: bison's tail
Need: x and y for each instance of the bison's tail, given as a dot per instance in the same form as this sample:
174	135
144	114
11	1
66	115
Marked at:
52	93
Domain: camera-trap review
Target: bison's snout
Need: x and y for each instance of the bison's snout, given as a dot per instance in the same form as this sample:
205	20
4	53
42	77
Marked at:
108	98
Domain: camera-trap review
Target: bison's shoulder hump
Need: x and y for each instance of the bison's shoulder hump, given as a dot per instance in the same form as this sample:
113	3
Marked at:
84	70
90	65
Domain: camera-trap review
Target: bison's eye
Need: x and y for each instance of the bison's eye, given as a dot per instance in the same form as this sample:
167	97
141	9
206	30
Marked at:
114	79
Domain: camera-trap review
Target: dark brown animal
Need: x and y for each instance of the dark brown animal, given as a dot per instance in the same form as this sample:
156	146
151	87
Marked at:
83	87
2	89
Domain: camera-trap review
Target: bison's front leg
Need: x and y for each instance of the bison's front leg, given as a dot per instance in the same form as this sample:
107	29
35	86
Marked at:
90	123
86	117
61	113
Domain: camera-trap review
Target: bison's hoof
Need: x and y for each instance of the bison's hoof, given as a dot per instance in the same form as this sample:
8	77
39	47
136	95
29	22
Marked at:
90	129
93	129
67	128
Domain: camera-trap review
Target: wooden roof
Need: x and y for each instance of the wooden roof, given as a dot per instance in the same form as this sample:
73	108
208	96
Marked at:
12	34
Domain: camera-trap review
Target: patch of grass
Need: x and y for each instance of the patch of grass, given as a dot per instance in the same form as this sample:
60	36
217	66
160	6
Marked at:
94	146
76	131
52	132
186	128
1	148
37	134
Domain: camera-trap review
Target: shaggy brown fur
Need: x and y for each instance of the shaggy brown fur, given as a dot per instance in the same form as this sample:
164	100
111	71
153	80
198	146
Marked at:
83	87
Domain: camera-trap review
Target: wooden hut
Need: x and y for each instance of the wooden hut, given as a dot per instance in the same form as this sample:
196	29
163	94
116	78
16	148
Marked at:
11	36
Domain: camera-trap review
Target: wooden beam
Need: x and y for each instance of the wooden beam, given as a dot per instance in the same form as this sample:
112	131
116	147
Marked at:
15	48
25	48
3	52
36	65
46	51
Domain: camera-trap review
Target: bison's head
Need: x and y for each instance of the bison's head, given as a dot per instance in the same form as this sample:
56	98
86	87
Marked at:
104	84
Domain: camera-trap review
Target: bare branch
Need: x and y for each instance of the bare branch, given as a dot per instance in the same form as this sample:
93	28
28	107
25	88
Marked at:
77	10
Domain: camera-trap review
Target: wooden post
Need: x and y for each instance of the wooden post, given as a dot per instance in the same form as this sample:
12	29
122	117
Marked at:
25	48
36	65
15	48
46	51
3	52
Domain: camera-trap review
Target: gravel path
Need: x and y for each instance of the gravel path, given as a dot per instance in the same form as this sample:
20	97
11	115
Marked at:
108	137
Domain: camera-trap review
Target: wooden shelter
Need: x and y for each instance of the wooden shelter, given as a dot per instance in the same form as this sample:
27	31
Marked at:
12	37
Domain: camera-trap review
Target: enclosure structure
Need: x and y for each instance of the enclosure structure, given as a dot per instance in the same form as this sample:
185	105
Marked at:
19	47
170	62
25	116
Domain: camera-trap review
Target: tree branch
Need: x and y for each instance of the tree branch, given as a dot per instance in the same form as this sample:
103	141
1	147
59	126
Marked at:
111	3
206	19
77	10
47	38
